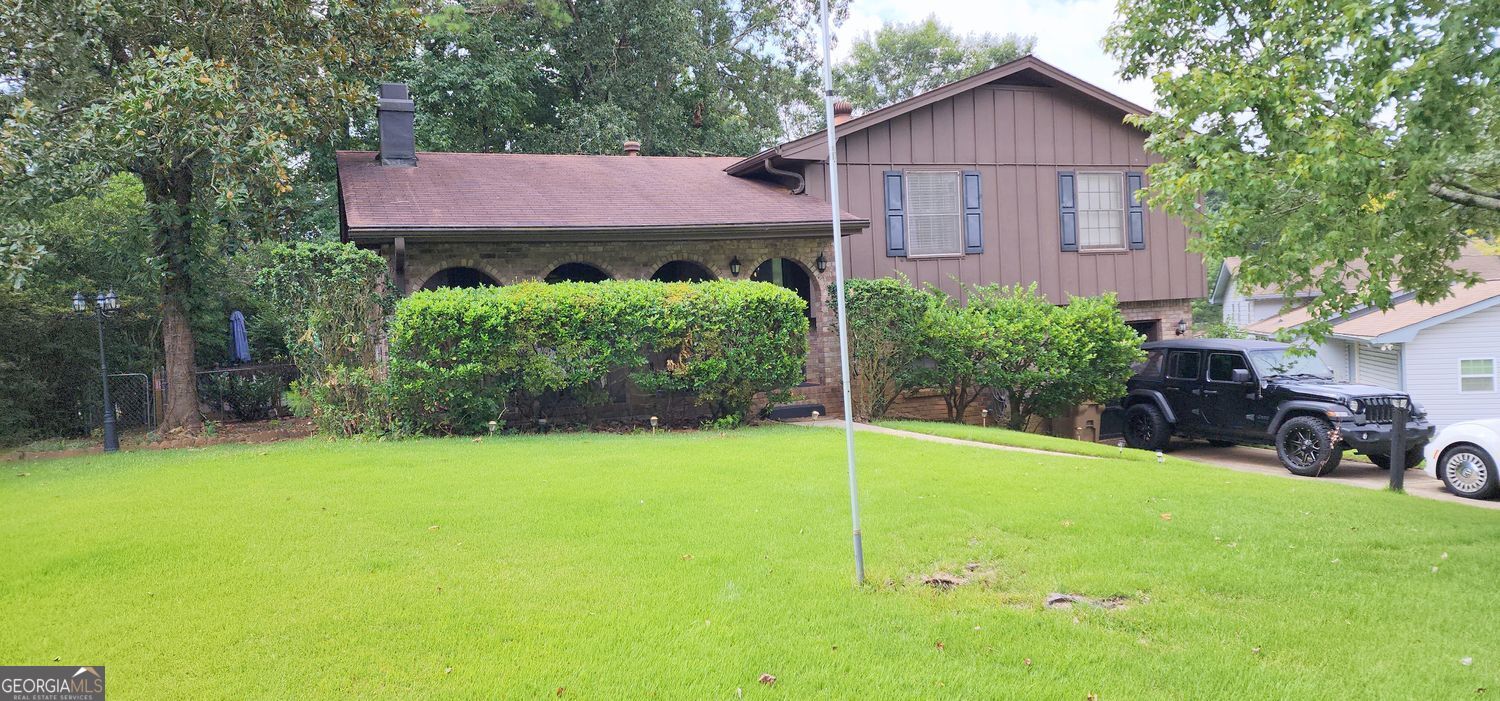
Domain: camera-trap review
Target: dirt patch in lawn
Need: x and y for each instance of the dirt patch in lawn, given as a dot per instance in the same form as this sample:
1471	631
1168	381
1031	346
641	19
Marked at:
268	431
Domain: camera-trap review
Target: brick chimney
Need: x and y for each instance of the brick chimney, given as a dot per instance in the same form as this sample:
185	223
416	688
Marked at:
632	148
395	113
843	111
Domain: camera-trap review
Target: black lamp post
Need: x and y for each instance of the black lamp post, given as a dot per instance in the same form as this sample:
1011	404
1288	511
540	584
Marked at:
105	304
1402	406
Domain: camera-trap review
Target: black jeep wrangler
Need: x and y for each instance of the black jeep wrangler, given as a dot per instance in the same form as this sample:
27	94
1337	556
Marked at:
1257	393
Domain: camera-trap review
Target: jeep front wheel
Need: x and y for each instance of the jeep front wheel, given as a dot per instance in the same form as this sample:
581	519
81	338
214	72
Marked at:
1146	428
1306	447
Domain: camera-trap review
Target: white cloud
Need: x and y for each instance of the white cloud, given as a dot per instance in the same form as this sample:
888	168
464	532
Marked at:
1068	32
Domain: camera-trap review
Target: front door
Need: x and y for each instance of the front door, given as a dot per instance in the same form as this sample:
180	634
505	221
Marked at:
1228	406
1183	387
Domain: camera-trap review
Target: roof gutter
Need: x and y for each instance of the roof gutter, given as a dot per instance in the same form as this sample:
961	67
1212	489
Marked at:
586	234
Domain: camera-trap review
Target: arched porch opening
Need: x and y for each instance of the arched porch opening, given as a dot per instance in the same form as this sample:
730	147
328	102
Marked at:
575	272
682	271
459	277
790	274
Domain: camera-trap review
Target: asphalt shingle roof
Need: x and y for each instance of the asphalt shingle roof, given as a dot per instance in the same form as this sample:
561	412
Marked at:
499	191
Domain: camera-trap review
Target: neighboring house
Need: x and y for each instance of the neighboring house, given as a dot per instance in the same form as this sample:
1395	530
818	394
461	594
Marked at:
1446	355
1243	306
1019	174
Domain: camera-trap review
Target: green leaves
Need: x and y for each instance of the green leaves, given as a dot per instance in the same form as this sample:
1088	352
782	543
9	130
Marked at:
463	358
1342	147
899	60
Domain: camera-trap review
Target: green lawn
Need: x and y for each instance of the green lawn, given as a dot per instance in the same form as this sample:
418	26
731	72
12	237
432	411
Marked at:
686	565
1020	439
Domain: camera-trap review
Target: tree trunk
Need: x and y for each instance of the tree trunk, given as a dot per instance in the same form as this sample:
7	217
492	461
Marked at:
168	197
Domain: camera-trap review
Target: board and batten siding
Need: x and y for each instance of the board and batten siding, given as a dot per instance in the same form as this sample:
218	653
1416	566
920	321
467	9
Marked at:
1381	368
1432	367
1018	138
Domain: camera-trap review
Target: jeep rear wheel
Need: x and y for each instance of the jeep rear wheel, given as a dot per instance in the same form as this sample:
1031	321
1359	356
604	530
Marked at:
1306	448
1146	428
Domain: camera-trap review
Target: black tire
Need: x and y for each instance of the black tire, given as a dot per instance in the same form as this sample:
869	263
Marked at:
1306	448
1221	444
1469	472
1383	462
1146	428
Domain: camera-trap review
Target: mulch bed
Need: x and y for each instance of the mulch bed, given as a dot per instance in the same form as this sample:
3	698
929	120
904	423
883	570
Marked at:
267	431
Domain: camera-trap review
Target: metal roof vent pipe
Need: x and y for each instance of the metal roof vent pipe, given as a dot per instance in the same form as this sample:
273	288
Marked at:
396	113
632	148
843	111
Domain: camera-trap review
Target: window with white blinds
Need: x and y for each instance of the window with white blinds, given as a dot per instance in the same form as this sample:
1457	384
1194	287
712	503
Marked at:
1101	210
934	213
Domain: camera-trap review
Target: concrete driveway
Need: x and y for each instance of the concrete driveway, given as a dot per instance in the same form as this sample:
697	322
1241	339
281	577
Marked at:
1359	474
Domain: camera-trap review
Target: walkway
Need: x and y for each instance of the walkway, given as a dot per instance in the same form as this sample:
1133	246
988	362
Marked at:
871	428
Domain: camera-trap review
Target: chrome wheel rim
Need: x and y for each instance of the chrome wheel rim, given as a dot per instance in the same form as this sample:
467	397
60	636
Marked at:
1301	446
1466	472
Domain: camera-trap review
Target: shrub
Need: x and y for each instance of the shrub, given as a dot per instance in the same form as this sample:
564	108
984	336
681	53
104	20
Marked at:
463	358
727	342
885	322
957	348
333	299
1046	359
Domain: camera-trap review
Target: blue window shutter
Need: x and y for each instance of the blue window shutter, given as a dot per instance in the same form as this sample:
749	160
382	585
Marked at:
973	216
1135	212
895	214
1067	203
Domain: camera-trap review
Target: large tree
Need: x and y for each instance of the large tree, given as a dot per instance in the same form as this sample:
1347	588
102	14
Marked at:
900	60
1350	147
685	77
209	104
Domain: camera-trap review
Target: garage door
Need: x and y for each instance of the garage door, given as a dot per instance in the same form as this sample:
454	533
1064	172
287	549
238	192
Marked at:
1373	366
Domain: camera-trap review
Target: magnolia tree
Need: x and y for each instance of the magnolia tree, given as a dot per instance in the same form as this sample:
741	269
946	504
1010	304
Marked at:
210	104
1350	148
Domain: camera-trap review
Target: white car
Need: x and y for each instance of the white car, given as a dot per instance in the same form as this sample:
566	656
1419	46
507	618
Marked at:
1463	457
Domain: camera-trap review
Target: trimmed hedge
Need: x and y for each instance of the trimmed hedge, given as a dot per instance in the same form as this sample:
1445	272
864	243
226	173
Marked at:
461	358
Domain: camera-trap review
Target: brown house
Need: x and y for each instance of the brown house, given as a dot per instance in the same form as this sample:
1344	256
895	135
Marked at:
1019	174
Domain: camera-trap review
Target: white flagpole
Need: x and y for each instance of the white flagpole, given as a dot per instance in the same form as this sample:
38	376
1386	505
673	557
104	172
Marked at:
838	274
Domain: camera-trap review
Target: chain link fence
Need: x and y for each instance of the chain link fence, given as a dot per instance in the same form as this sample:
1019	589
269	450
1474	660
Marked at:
131	394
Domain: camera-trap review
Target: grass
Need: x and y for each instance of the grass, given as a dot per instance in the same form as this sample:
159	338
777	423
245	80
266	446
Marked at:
1019	439
685	565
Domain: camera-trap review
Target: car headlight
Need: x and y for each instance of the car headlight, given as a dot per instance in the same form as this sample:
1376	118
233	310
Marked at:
1353	405
1418	411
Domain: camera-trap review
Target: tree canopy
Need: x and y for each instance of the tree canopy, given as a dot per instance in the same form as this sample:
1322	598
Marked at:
208	104
1348	147
685	77
901	60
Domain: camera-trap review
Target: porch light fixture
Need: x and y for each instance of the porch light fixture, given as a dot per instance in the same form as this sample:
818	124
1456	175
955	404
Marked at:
821	263
1182	327
734	266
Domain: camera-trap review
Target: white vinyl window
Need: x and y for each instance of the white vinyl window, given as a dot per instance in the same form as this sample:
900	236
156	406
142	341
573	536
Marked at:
1476	375
934	213
1101	211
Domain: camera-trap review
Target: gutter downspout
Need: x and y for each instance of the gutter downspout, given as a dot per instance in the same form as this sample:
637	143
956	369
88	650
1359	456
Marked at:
801	181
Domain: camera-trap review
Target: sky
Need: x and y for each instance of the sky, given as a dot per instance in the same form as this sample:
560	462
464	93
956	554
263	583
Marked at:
1068	32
